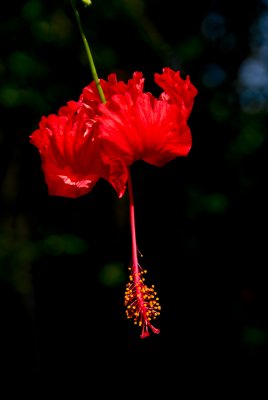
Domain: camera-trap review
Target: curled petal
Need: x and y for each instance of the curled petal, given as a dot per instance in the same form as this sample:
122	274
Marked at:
180	92
115	172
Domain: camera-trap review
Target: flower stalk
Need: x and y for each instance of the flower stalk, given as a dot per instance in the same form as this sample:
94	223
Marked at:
88	53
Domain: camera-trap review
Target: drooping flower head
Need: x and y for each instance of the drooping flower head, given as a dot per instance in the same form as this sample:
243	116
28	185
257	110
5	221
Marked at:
90	139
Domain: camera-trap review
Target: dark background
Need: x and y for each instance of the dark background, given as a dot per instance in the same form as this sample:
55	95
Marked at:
201	220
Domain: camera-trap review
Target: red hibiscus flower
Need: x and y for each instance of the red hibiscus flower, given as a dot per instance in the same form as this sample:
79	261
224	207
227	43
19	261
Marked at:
89	140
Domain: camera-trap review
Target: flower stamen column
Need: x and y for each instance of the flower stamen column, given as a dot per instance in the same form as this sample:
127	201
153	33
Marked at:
141	301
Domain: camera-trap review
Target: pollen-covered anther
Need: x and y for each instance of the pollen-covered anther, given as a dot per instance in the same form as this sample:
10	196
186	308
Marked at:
141	302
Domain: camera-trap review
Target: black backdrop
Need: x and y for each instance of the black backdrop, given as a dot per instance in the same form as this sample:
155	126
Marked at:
200	220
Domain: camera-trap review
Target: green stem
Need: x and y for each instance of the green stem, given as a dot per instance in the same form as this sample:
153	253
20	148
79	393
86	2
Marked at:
88	52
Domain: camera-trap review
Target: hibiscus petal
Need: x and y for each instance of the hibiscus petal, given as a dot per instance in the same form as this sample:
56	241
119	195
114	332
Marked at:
69	150
181	92
148	129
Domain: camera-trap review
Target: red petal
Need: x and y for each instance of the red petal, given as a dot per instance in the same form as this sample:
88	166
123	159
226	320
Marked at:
181	92
69	151
134	86
148	129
